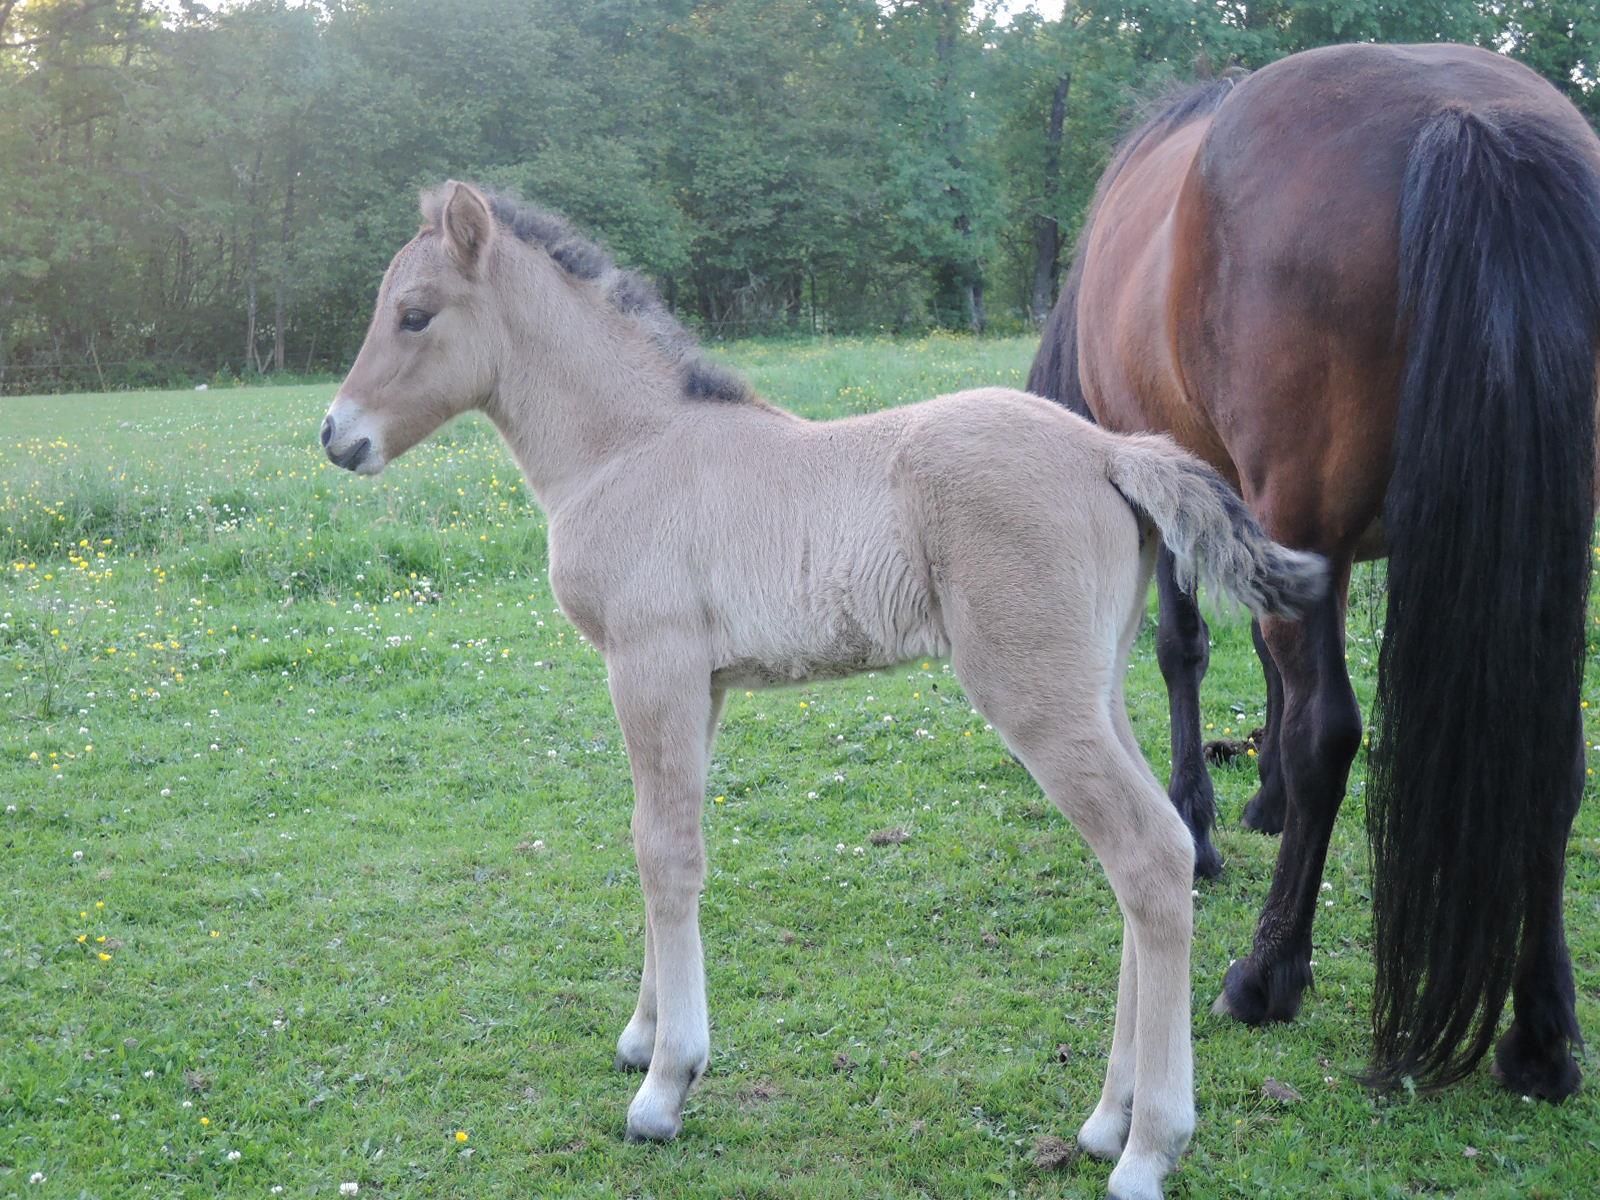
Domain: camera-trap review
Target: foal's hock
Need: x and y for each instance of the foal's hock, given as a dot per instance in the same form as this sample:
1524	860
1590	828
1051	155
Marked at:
702	539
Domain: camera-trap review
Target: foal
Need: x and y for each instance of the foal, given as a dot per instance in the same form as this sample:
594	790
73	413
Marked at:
702	540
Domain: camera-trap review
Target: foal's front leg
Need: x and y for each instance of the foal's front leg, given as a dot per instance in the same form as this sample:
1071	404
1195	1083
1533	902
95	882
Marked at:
638	1039
665	712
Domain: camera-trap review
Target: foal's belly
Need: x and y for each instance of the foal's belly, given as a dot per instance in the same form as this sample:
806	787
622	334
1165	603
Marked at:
850	651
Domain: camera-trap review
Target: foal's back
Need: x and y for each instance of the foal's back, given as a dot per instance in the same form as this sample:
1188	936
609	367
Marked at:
810	550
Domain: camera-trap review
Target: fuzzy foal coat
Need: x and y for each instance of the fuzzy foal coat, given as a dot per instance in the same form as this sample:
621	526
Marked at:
701	540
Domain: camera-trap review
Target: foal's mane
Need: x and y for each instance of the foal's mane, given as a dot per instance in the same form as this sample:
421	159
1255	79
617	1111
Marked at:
626	292
1055	370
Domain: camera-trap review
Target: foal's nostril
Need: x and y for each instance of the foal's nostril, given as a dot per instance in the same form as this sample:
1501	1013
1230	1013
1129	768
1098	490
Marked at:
353	457
327	430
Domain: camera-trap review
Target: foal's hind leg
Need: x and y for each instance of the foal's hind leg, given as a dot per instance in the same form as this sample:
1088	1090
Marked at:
1052	710
1104	1134
1534	1057
1183	648
1148	856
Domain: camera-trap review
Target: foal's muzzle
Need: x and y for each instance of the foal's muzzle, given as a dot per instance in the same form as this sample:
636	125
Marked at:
351	439
352	458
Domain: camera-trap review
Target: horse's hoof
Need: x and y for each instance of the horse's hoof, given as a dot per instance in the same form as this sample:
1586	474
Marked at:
1254	997
1207	862
1264	815
1545	1073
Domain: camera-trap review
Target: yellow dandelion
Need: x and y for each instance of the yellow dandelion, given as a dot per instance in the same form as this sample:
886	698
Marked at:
461	1135
103	956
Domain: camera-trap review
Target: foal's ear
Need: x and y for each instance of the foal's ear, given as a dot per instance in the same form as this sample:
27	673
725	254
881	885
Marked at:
466	224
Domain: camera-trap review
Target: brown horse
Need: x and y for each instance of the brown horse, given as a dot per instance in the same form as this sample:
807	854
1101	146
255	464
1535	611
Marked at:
1364	284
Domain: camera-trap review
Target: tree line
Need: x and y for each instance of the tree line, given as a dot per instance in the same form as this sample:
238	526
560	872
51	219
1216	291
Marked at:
215	189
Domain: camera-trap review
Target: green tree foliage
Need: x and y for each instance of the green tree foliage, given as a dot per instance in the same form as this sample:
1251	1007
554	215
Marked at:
193	188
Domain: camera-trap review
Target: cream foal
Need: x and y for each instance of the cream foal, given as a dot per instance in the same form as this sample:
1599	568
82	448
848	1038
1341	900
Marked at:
703	540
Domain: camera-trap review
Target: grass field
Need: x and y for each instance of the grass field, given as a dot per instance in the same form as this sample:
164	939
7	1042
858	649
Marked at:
315	859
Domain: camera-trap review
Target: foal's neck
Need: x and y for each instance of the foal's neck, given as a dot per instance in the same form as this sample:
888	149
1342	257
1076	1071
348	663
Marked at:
577	391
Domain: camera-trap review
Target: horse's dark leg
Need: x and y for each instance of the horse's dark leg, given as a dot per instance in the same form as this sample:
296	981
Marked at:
1534	1057
1264	812
1320	733
1183	648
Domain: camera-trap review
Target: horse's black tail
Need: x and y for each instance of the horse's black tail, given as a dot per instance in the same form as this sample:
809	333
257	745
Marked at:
1054	374
1487	518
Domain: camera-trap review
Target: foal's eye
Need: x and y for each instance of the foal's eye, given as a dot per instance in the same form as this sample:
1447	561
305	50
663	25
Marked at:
414	320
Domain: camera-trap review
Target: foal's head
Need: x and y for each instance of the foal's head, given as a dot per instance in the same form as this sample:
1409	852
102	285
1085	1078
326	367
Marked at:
433	348
494	294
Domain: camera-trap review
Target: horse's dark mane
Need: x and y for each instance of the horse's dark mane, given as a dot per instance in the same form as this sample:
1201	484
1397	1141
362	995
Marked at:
1055	370
627	292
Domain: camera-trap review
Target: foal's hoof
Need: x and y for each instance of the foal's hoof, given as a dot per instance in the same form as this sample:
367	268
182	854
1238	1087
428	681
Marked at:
652	1123
1104	1134
1543	1072
1254	996
634	1049
1264	814
626	1062
1137	1178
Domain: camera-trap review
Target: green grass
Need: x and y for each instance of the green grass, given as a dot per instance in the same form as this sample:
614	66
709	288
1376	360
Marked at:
357	811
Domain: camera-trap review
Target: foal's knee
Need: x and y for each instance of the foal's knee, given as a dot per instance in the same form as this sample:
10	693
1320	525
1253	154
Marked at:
671	871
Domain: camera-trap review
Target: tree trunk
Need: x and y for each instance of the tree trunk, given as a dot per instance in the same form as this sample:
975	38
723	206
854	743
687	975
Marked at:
1046	226
252	361
252	357
5	323
965	271
285	256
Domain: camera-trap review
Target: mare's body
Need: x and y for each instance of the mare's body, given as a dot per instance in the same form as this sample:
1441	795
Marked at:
1362	285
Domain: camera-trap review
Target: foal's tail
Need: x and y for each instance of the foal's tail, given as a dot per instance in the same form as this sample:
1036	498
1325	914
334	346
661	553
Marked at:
1210	531
1488	515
